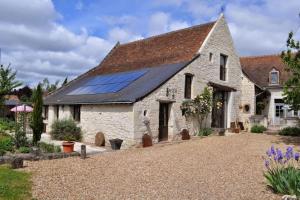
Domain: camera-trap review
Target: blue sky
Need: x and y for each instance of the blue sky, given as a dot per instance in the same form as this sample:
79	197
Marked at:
59	38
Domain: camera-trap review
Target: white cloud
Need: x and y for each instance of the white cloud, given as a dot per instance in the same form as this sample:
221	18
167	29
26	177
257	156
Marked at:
122	35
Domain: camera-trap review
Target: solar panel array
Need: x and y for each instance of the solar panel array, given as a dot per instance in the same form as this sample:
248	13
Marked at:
110	83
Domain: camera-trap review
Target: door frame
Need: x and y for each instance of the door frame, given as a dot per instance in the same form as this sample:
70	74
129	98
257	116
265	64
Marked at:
224	116
163	132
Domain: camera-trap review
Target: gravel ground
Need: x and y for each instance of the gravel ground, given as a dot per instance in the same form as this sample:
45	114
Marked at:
210	168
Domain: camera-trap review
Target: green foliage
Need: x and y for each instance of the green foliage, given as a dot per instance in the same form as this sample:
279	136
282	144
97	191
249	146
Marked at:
37	119
14	185
65	82
7	82
199	107
49	87
20	138
24	150
6	125
205	132
258	128
284	180
6	144
49	148
290	131
66	129
291	58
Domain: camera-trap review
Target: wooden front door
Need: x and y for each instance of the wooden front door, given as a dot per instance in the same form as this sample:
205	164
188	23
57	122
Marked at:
218	109
163	121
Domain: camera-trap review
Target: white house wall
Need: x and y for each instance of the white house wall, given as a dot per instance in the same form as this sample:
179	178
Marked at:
218	42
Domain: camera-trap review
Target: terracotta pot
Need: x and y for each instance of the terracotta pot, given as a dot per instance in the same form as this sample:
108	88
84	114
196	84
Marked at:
68	147
236	130
185	134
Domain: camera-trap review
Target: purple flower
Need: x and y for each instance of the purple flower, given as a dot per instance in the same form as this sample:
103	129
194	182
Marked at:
289	149
297	155
279	154
273	150
267	163
269	153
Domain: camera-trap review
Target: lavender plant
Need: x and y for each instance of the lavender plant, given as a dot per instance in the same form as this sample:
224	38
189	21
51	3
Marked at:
283	171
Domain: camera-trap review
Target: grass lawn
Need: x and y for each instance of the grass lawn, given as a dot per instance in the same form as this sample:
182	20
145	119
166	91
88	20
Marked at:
14	184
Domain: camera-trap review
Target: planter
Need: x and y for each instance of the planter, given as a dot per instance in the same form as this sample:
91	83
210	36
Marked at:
185	134
237	130
116	143
221	132
147	140
68	147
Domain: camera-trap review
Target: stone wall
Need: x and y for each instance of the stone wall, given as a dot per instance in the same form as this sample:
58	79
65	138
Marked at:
247	98
218	42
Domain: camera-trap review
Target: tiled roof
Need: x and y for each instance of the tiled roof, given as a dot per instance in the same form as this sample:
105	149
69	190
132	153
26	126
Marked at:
169	48
257	68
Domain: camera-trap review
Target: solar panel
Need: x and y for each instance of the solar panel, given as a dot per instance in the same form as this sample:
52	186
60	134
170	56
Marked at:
110	83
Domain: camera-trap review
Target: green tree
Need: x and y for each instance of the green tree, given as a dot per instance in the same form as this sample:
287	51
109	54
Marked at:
49	87
291	58
7	82
37	120
65	82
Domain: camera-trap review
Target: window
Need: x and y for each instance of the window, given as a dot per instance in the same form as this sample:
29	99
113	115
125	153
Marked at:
56	111
46	110
210	57
223	62
274	77
188	86
76	113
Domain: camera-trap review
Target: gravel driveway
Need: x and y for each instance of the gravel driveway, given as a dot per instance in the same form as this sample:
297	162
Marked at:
210	168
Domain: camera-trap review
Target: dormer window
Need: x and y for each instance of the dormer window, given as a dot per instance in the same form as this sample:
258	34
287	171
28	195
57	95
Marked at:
274	77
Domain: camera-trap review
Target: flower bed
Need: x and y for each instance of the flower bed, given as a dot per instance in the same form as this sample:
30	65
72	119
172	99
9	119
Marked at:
283	171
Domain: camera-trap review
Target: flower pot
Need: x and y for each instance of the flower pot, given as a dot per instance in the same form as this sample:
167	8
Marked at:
236	130
147	140
185	134
116	143
68	147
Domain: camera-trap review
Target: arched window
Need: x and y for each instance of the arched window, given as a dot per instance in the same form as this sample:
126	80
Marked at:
274	77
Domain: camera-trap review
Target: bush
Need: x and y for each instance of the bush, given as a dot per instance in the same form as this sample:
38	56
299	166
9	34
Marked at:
258	129
24	150
6	143
20	138
49	148
66	130
290	131
6	125
205	132
283	171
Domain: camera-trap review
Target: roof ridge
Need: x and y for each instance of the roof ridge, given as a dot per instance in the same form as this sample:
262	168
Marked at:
168	33
261	56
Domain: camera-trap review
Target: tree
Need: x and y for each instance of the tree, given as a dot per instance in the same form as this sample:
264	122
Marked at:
37	119
7	82
199	107
291	58
65	82
49	87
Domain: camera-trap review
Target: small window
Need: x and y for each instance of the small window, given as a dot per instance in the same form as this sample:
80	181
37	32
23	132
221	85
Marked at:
56	110
274	77
188	86
210	57
45	113
76	112
223	63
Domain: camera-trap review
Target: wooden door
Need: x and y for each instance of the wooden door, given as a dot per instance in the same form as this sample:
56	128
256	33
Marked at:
163	121
218	110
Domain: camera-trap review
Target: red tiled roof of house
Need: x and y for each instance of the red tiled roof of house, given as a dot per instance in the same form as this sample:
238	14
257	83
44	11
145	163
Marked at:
257	68
173	47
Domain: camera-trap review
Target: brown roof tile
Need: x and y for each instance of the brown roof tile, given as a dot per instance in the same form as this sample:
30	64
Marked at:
257	68
173	47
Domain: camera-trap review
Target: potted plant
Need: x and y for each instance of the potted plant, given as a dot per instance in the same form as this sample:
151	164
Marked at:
116	143
185	134
68	145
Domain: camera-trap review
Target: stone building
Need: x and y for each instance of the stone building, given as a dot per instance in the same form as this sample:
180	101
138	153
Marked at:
267	75
139	86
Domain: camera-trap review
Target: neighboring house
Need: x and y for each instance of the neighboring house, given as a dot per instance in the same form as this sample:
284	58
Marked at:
267	74
10	102
139	86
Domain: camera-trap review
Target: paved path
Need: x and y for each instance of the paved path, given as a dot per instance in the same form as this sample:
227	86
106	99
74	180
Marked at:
77	147
211	168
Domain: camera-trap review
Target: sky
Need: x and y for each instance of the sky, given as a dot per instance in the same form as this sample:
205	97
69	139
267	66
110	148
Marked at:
56	39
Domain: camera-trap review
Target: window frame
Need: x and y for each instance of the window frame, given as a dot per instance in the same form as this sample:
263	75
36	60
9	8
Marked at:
45	112
57	111
76	113
223	69
270	76
188	90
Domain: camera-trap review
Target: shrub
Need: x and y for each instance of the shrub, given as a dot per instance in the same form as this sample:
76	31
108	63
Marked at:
6	125
290	131
6	144
283	171
205	132
49	148
24	150
66	129
258	129
20	138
